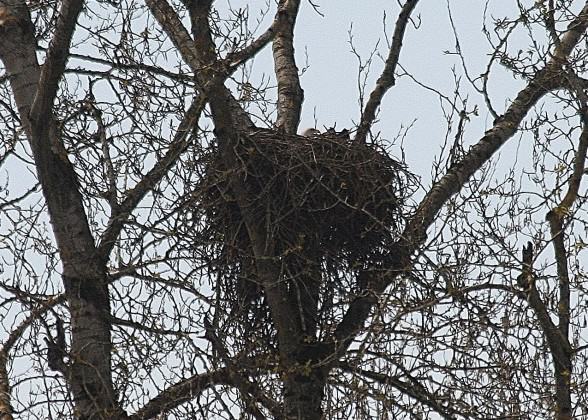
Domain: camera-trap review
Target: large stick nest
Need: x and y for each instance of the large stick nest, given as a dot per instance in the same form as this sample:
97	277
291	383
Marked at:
339	200
325	202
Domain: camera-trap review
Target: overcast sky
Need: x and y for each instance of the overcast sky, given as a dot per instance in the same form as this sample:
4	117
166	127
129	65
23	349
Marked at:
331	82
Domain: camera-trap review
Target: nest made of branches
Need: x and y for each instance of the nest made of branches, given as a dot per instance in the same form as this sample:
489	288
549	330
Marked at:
322	196
326	205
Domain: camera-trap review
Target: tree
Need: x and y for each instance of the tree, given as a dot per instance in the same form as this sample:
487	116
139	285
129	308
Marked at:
204	261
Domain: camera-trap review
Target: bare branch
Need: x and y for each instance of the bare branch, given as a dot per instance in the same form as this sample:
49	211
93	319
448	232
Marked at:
558	342
191	388
182	392
545	81
8	203
290	93
386	79
412	389
55	60
200	55
6	410
415	233
133	197
555	217
178	34
84	275
237	58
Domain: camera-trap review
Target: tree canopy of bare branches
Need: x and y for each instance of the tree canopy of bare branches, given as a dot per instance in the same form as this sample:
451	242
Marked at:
171	248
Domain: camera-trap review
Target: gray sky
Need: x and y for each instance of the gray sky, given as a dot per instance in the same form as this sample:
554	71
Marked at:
331	82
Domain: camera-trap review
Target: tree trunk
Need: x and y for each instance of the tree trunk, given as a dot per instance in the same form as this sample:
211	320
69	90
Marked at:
305	372
84	277
303	395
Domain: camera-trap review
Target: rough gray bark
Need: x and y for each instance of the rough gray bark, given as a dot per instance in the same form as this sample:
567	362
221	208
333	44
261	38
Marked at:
84	275
290	93
84	271
558	337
